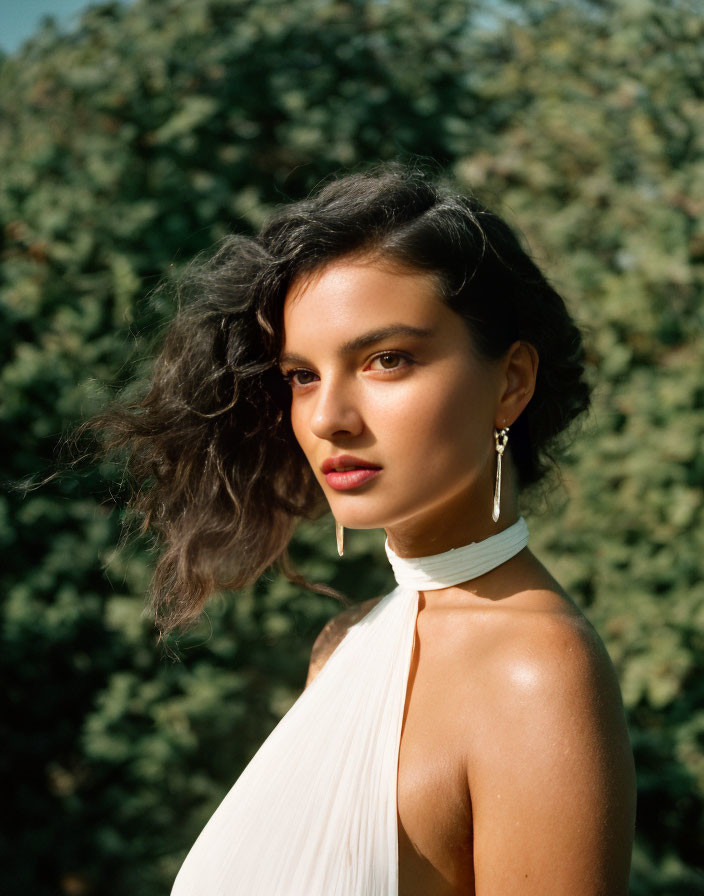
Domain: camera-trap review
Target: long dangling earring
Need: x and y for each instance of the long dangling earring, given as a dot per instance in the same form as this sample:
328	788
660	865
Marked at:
340	533
501	439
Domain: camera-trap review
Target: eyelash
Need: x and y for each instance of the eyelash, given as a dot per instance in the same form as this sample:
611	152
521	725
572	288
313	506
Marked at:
289	375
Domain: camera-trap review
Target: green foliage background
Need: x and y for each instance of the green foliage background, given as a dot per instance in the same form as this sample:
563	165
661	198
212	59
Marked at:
137	140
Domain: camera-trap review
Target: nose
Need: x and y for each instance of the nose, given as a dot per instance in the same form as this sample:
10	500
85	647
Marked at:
336	411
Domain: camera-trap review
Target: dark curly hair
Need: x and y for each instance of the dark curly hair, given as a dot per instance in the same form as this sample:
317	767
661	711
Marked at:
222	480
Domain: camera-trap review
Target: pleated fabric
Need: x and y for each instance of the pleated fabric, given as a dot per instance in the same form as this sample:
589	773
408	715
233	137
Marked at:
458	564
315	811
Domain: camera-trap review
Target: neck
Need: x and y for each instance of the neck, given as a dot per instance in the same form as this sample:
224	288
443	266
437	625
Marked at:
445	532
452	522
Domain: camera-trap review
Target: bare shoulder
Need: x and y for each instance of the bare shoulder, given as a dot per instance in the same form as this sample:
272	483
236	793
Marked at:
553	761
333	632
550	669
553	653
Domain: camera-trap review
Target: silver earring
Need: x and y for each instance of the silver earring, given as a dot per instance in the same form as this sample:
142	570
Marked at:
501	439
340	533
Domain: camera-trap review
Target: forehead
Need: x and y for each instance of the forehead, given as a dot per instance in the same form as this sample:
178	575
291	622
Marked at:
348	296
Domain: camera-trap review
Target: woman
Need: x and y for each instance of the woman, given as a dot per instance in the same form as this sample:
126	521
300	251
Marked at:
388	349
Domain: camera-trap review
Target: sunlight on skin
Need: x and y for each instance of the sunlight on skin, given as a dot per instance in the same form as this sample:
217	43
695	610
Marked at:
406	403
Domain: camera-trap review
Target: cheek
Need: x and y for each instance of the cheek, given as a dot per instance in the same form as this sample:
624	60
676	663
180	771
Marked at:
307	441
298	426
444	423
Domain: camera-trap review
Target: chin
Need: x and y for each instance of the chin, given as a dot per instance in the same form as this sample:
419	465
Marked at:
352	520
356	523
382	519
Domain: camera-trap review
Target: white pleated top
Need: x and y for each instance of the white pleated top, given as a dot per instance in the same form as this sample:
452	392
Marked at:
314	813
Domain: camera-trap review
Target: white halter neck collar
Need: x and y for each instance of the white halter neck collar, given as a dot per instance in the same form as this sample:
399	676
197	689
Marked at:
458	564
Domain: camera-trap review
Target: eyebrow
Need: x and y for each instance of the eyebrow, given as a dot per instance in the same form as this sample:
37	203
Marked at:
364	340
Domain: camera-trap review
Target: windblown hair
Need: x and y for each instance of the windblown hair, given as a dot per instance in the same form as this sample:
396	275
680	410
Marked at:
221	479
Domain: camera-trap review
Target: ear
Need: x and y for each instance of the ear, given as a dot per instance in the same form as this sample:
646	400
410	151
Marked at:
519	369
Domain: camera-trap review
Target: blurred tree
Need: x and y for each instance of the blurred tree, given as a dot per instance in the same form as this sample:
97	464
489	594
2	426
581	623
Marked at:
136	141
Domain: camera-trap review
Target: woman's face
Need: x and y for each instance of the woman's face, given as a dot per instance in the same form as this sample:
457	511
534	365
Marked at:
382	371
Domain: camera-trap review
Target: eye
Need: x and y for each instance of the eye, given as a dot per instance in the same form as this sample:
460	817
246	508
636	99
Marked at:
389	361
299	377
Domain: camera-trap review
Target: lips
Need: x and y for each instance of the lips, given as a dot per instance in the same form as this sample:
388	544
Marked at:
345	462
345	471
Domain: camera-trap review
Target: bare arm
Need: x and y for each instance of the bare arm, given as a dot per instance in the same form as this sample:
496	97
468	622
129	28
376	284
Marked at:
553	787
333	632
